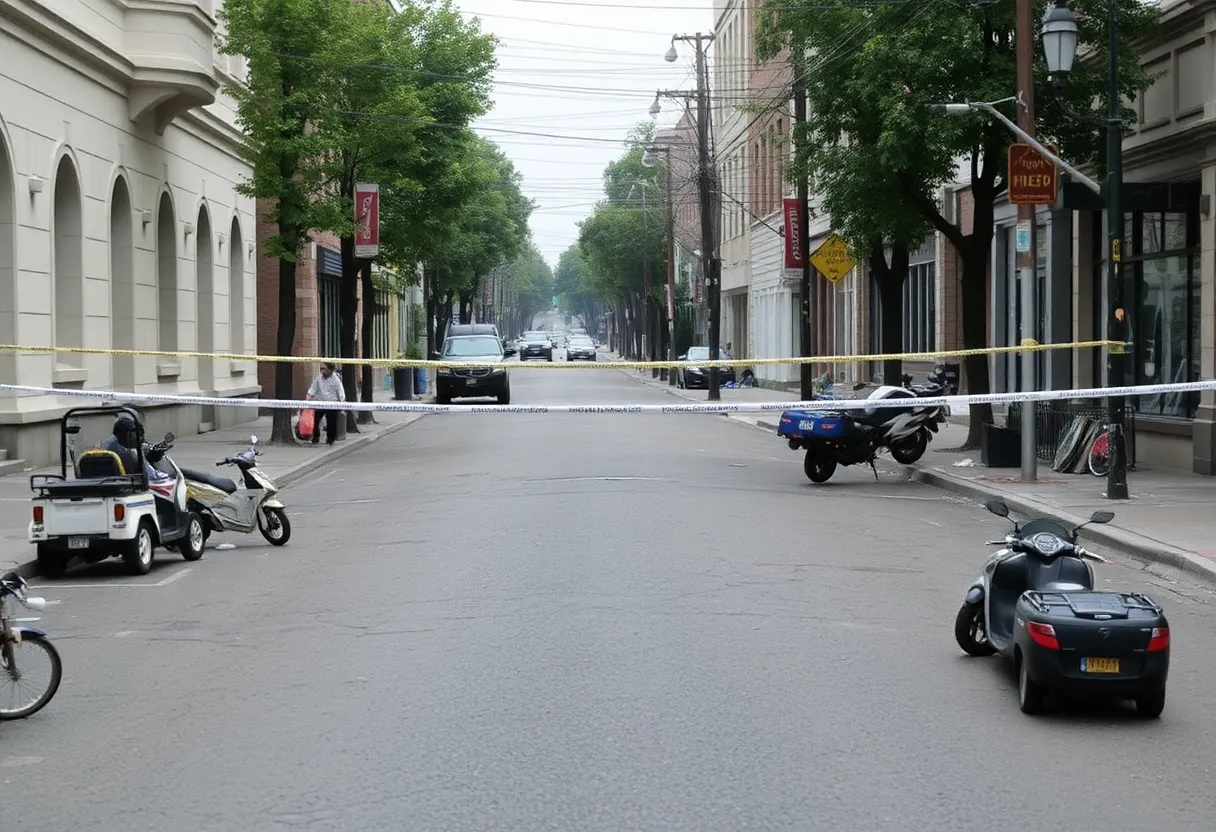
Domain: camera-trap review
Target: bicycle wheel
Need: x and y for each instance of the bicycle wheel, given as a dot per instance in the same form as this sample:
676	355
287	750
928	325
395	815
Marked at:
30	673
1099	455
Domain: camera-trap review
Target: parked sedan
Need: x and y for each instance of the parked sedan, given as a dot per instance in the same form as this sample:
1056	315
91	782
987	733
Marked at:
536	345
580	349
698	377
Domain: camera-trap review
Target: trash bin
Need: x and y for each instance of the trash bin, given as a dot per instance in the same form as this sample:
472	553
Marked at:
420	380
403	383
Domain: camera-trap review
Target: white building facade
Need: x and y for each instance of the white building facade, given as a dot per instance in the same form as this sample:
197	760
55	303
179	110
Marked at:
120	224
732	60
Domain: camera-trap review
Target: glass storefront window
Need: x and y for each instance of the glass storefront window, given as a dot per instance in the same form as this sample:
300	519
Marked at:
1162	293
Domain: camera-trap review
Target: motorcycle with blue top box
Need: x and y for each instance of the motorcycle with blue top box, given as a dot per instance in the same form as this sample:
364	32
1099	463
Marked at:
849	437
1036	604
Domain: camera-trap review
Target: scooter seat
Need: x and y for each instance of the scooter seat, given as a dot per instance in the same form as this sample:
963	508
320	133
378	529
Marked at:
222	483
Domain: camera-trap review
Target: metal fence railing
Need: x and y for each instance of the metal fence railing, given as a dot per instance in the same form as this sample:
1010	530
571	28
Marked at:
1053	419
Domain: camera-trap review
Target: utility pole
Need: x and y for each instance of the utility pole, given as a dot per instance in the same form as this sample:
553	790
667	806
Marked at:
806	372
1027	261
671	272
709	248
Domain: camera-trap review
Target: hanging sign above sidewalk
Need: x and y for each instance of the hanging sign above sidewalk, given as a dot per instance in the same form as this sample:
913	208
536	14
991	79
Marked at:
367	221
793	234
833	260
1033	178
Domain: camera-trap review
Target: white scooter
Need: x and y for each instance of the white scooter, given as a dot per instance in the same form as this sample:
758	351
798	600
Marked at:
226	508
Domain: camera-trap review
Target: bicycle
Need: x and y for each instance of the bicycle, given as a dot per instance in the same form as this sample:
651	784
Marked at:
1098	461
28	643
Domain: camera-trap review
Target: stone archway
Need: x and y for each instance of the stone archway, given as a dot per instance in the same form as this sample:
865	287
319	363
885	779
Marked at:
8	263
236	290
123	323
68	276
166	278
204	296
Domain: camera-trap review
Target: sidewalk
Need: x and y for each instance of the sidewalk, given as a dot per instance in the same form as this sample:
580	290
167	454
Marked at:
284	464
1168	519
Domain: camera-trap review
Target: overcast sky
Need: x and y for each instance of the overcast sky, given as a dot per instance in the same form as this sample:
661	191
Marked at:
582	73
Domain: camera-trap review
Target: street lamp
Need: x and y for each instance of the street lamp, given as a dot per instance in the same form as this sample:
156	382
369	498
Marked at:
651	158
1060	36
711	264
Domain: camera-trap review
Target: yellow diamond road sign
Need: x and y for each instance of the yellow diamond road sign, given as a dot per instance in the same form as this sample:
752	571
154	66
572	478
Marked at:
832	259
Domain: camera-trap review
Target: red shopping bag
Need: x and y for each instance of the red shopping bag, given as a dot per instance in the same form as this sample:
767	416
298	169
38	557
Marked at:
308	422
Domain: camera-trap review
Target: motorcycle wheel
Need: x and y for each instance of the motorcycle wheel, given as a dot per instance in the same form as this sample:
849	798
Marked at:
818	467
1030	693
911	449
278	532
1151	705
969	622
195	541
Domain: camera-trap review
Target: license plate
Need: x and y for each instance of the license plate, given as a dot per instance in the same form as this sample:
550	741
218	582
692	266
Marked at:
470	381
78	543
1089	665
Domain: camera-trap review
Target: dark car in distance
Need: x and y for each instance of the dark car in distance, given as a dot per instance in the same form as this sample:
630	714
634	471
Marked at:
698	377
485	378
536	345
580	348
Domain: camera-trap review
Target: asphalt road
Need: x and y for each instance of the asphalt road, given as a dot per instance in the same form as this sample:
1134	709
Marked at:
575	622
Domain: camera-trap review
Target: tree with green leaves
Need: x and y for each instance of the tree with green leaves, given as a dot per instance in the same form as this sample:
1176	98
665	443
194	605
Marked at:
623	239
894	61
528	281
421	69
289	139
576	291
489	229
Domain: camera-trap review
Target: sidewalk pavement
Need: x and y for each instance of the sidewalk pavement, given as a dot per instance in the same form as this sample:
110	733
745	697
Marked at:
284	464
1167	520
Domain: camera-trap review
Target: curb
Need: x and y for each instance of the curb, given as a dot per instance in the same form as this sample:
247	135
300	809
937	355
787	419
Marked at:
28	569
1129	543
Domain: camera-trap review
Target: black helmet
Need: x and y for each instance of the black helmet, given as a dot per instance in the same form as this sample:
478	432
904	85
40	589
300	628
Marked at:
124	426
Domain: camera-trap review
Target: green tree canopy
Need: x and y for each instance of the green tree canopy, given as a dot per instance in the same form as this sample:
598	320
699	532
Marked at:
879	67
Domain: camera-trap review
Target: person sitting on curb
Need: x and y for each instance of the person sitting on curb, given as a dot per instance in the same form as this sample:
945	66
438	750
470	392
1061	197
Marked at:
326	387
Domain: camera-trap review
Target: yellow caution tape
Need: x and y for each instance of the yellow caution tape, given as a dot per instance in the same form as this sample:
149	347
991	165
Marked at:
571	365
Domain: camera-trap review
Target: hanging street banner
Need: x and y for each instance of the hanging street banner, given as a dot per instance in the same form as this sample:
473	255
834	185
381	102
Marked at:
793	234
1033	178
833	260
367	221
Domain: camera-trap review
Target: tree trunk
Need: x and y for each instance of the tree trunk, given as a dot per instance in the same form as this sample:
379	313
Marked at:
976	254
890	277
368	393
284	375
348	306
466	306
428	298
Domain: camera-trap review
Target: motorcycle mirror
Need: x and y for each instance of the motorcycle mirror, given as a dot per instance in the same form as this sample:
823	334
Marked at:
1101	517
72	430
997	507
169	437
859	385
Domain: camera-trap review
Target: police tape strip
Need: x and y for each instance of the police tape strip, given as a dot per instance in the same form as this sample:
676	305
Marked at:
571	365
739	407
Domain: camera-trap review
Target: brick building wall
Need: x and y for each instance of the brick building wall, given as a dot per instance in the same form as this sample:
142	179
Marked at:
307	308
768	134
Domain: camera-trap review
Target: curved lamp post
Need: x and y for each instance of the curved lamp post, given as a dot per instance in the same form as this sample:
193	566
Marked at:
1060	39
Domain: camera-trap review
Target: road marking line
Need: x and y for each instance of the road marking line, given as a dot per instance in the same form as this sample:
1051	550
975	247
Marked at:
105	585
123	634
13	762
175	577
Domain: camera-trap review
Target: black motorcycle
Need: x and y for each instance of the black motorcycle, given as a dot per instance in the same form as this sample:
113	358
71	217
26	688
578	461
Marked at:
849	437
1036	604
